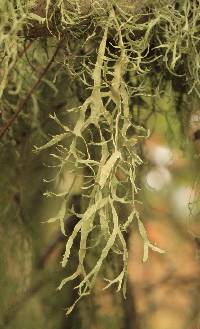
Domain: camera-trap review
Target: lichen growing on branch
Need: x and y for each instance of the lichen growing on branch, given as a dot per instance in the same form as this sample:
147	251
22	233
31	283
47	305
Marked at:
119	52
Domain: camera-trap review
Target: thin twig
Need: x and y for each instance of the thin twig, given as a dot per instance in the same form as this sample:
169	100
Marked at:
31	91
21	54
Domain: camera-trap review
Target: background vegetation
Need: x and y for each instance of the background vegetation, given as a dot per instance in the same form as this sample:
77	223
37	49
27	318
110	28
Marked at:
99	137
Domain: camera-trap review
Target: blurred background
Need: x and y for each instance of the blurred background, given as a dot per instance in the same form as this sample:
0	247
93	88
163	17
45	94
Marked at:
162	293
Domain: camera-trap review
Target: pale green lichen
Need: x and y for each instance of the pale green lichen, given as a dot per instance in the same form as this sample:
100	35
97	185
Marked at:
117	153
119	56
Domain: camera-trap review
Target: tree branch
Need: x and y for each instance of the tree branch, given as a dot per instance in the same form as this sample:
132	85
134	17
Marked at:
31	91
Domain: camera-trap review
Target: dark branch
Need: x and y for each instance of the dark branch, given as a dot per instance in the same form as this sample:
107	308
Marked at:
31	91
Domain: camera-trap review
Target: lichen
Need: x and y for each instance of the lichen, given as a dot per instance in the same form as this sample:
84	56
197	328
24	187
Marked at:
118	56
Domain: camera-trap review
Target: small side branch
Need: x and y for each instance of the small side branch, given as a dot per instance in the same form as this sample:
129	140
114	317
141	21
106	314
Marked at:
28	95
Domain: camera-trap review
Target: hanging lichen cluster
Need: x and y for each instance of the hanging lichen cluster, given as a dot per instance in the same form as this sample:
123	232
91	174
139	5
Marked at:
115	54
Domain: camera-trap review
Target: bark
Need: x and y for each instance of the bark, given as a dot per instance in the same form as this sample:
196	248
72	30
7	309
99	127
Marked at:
131	319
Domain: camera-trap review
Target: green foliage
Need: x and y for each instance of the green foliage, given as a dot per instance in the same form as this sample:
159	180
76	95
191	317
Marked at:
118	59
